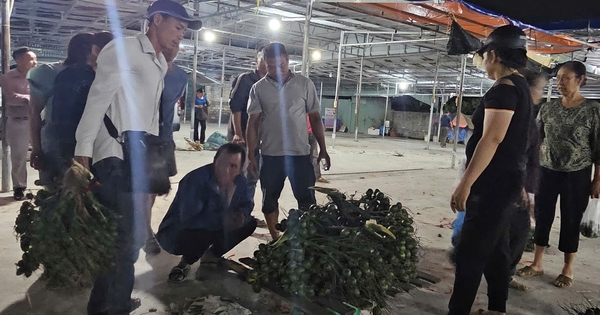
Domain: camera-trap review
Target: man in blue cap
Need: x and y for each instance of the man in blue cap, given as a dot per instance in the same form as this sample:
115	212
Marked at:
126	91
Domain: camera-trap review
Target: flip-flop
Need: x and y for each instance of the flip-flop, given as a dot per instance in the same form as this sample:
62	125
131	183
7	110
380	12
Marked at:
563	281
135	304
515	285
528	272
179	273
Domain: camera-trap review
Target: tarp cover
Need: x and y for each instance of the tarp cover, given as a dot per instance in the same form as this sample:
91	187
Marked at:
548	14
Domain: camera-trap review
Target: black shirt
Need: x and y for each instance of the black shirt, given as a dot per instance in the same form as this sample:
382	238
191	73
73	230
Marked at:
240	93
511	153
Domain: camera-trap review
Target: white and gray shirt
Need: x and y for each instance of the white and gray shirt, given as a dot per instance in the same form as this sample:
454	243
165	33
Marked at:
284	129
127	88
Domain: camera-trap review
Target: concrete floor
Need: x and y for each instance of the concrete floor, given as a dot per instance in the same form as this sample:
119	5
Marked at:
422	180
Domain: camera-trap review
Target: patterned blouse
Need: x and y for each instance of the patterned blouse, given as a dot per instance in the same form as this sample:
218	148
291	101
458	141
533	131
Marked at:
570	136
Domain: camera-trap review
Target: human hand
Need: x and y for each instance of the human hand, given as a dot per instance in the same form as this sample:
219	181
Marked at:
458	202
595	193
234	220
253	168
324	155
84	161
36	159
238	139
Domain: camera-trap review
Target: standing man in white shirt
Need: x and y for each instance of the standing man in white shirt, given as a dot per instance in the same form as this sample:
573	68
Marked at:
127	89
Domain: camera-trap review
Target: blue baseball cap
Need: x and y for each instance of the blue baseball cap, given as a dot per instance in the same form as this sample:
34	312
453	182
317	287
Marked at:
176	10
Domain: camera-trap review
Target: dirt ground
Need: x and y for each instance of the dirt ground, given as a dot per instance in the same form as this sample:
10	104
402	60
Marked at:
421	179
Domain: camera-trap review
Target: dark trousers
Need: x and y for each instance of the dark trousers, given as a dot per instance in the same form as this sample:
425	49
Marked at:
194	243
520	224
483	248
274	171
574	190
111	293
202	123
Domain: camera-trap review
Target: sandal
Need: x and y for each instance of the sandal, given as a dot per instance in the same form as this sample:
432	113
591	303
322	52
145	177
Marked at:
515	285
528	272
152	247
135	304
563	281
179	273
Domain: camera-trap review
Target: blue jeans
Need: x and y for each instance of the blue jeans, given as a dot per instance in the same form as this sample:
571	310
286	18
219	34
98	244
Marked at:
274	171
111	294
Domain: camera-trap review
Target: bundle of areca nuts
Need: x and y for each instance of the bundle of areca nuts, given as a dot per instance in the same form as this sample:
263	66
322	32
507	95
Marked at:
65	232
361	250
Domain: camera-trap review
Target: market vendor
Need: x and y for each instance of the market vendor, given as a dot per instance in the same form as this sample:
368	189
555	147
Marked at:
211	214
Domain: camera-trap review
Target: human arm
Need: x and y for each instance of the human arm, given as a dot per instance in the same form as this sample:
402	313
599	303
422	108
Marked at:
241	208
499	111
237	104
103	90
319	133
252	142
252	137
237	128
10	90
595	145
313	108
35	125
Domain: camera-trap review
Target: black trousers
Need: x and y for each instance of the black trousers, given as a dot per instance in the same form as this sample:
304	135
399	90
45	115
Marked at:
111	293
484	246
518	234
574	190
194	243
202	123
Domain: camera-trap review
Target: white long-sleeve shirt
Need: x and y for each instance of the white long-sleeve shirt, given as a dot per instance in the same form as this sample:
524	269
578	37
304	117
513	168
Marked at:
127	88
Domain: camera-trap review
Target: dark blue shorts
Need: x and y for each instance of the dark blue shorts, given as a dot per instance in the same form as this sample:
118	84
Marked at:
274	171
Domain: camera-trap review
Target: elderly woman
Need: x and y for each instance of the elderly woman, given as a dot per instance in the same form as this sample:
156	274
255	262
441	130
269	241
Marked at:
570	132
494	177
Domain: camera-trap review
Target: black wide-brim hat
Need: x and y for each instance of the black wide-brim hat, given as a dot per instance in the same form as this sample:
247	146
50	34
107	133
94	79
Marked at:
176	10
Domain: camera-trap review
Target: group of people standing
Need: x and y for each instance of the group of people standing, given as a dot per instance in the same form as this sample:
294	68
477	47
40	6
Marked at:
518	162
85	108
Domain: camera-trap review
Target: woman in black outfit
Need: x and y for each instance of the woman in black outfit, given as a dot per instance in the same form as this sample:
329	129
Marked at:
494	177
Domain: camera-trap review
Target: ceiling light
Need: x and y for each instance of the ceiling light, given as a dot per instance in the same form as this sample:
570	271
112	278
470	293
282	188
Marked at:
316	55
403	86
274	24
209	36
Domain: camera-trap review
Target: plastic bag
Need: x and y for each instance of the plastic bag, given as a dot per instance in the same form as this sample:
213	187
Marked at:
461	42
590	224
213	305
215	141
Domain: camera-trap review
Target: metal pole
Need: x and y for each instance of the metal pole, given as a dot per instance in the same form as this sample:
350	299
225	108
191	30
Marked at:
6	6
444	100
194	73
387	99
549	95
304	69
433	99
459	107
321	94
357	108
439	130
222	88
338	80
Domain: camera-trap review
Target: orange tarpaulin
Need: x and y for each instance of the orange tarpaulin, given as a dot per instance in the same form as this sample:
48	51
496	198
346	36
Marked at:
478	24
